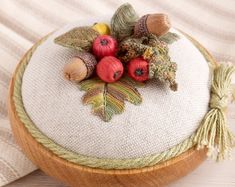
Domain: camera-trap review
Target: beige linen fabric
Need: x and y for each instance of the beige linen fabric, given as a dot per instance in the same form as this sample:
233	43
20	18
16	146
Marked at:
12	160
160	122
23	22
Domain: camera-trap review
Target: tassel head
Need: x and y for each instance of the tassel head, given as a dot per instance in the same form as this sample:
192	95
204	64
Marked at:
214	132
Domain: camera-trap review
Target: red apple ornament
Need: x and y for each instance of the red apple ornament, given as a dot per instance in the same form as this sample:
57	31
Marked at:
138	69
109	69
104	45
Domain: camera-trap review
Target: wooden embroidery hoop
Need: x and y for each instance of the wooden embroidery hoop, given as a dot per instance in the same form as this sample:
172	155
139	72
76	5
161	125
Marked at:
77	175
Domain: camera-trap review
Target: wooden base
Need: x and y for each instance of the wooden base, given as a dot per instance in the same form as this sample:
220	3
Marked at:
80	176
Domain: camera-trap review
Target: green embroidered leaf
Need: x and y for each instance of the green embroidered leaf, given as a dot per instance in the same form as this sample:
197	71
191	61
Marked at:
169	37
80	38
108	99
123	21
165	71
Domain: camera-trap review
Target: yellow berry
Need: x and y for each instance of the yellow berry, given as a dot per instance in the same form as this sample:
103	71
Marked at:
101	28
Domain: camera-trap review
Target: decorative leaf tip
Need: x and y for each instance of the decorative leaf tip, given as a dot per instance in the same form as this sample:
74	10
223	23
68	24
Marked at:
169	37
108	99
80	38
123	21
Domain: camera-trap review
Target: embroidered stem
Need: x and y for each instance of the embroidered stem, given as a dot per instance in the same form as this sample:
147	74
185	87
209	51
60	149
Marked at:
214	132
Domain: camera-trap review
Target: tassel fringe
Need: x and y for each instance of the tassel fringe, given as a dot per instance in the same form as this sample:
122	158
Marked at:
214	132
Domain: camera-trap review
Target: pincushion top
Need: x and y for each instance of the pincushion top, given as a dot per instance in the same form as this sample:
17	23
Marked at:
142	49
127	76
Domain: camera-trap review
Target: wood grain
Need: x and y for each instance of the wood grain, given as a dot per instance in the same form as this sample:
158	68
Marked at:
37	179
76	175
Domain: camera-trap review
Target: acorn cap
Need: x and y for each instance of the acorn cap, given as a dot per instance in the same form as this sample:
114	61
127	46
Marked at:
141	27
158	24
80	67
89	60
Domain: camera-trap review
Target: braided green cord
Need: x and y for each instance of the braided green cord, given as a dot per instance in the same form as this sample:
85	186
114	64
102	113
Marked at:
83	160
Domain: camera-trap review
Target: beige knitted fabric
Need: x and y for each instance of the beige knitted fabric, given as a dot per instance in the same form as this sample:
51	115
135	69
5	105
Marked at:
164	119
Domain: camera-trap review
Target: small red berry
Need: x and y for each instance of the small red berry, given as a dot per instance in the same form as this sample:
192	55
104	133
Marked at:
138	69
109	69
104	45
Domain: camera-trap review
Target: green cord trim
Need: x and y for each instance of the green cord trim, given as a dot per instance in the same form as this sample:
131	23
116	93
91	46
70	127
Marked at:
86	160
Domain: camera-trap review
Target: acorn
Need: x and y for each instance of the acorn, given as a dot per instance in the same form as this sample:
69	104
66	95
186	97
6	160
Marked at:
109	69
158	24
80	67
138	69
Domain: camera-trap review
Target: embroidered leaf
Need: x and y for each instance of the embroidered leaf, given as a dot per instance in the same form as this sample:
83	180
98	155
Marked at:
108	99
80	38
165	71
169	37
123	21
160	65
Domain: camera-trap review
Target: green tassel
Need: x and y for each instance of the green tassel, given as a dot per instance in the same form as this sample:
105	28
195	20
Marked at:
214	132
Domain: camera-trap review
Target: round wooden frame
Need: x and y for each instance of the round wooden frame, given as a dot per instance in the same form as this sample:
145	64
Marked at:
77	175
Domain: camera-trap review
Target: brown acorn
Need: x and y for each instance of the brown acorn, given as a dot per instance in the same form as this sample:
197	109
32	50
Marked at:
80	67
158	24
